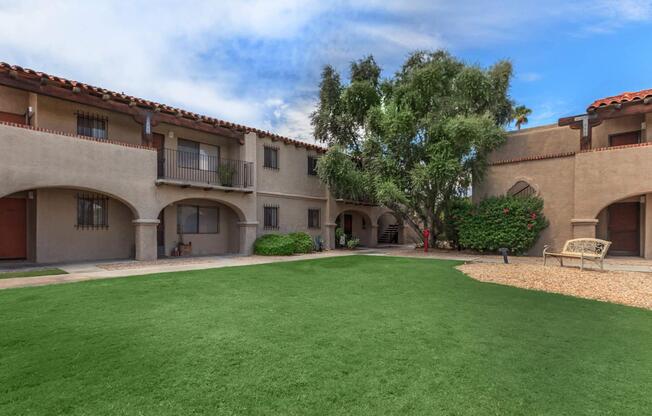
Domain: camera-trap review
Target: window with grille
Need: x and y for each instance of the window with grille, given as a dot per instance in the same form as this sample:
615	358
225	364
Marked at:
270	159
193	219
270	217
313	218
521	189
92	211
92	125
312	165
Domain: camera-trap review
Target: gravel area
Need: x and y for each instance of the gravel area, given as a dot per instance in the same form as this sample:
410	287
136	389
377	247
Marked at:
627	288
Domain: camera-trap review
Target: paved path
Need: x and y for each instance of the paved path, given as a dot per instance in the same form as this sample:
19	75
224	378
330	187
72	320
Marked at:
79	272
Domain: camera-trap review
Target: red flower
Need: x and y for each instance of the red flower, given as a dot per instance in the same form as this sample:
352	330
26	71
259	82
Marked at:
533	215
505	211
529	226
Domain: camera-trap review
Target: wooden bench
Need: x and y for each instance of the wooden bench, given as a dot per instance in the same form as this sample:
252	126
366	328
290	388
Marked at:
591	249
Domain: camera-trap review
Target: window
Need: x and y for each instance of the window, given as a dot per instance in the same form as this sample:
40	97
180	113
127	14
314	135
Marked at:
270	215
92	125
313	218
193	219
195	155
92	211
312	165
270	159
522	189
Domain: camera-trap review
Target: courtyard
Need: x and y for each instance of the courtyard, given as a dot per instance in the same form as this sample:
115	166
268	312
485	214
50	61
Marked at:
342	335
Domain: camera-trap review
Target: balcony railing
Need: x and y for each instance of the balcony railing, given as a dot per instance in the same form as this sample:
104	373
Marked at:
189	167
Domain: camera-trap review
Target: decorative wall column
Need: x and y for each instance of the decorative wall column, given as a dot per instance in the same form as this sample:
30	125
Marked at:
146	242
373	238
647	230
584	228
329	236
247	236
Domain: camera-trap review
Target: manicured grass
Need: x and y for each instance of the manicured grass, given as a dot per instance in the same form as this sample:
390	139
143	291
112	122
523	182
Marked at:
357	335
32	273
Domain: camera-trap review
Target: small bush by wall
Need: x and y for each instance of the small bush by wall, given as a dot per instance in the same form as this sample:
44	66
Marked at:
505	221
283	244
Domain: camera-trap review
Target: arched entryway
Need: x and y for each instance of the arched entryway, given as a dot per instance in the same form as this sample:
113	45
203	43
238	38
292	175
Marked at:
197	227
60	224
390	229
623	223
356	224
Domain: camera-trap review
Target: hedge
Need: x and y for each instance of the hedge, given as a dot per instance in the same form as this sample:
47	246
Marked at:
283	244
505	221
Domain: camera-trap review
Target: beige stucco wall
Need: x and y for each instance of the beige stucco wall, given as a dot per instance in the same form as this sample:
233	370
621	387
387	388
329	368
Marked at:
13	100
226	241
602	132
292	175
229	148
292	214
543	140
59	240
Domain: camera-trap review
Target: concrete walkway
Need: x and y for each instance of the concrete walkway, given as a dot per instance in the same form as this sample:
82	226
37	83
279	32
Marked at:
79	272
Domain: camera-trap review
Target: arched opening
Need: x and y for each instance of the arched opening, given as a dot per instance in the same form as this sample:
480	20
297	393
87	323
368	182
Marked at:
623	223
56	225
355	224
198	227
521	189
390	229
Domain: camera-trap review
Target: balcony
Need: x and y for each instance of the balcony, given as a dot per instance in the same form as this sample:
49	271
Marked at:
197	170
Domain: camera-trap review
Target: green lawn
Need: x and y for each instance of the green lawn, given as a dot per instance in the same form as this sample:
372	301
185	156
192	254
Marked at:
357	335
32	273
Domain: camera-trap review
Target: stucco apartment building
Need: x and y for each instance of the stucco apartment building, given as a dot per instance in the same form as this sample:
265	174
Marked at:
88	174
593	171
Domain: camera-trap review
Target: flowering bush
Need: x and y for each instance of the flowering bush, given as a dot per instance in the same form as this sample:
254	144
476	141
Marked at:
505	221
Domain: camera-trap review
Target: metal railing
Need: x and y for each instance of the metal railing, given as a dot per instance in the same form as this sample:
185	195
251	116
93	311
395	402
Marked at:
193	167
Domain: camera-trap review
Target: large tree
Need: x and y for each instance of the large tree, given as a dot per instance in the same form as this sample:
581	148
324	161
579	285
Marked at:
414	141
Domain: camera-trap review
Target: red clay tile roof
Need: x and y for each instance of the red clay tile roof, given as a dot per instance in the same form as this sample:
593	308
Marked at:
66	83
621	98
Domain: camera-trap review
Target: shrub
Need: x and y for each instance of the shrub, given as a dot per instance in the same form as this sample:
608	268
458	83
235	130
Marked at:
353	242
302	242
274	245
283	244
505	221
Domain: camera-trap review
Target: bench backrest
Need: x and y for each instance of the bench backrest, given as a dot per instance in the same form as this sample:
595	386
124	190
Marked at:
590	246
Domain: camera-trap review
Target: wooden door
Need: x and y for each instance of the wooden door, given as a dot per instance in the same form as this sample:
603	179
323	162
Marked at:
12	118
160	233
348	224
624	228
13	228
158	142
623	139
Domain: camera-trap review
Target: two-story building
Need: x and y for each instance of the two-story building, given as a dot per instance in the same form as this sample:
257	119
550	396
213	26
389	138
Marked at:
593	171
88	174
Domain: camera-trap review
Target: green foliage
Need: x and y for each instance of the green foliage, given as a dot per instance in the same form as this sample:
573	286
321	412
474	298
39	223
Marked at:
353	242
520	116
505	221
414	141
302	242
283	244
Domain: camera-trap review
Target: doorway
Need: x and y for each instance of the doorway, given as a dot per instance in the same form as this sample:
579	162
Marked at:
624	229
13	226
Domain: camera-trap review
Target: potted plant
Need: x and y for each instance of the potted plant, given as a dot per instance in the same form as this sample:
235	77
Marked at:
340	237
227	174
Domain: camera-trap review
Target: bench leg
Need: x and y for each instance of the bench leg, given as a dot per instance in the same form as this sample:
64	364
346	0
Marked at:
561	261
581	264
544	259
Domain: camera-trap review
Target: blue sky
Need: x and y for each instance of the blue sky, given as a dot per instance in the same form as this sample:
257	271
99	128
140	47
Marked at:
258	62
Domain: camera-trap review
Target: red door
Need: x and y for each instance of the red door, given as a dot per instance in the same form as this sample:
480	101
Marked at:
13	228
623	139
348	224
623	228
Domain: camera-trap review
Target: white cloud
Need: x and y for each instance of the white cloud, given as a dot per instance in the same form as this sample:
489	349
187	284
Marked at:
529	76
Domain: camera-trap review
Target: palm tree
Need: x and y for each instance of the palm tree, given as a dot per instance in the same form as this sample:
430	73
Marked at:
520	115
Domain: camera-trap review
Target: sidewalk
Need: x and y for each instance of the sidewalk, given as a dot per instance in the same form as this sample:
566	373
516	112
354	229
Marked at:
79	272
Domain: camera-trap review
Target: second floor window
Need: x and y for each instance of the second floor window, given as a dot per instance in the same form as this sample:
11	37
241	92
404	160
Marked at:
270	158
195	155
270	216
92	125
312	165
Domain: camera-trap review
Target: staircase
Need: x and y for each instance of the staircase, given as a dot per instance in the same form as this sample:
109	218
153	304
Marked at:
389	235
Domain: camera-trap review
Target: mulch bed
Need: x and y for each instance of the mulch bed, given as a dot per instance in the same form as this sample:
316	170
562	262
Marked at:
626	288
